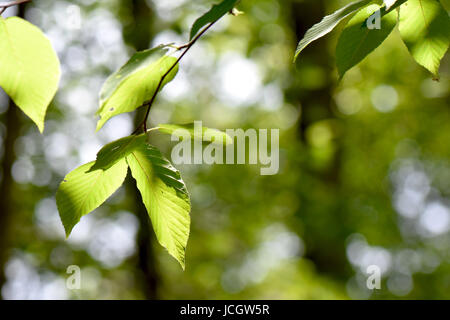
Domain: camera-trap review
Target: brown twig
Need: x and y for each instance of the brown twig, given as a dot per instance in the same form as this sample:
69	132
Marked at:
187	47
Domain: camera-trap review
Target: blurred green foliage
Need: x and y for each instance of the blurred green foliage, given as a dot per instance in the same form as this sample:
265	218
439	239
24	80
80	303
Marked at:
364	162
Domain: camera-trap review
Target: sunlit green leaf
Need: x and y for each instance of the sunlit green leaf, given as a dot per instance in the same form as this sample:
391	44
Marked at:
357	40
111	153
29	67
196	132
215	13
328	23
165	197
82	191
425	29
135	83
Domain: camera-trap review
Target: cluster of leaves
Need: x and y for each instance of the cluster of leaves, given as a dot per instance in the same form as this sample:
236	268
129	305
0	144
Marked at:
32	86
424	27
163	191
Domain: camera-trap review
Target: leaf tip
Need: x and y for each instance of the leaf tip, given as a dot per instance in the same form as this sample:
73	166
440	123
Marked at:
297	53
68	227
182	261
40	127
99	125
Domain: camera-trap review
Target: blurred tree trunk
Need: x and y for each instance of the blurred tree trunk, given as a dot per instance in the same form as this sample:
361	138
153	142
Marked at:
327	250
6	187
12	123
137	32
315	102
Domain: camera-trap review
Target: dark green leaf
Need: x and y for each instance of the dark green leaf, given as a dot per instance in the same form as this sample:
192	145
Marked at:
216	12
357	40
328	23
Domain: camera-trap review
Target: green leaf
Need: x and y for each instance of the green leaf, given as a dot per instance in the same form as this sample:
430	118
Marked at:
165	196
327	24
82	191
214	14
29	67
113	152
135	83
196	132
357	41
425	29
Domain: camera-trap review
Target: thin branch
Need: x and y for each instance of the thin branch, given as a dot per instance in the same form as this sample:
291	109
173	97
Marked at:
152	129
187	47
6	5
12	3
